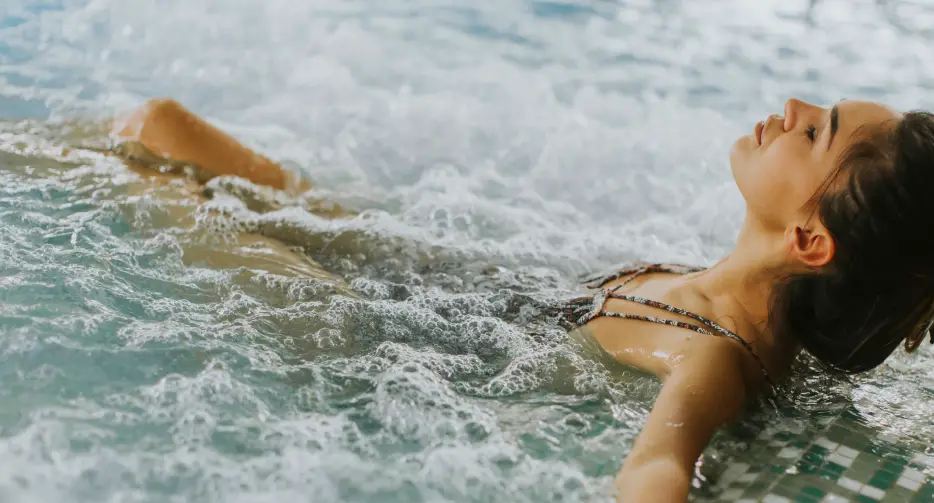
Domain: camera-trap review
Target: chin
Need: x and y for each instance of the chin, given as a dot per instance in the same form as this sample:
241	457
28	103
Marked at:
740	152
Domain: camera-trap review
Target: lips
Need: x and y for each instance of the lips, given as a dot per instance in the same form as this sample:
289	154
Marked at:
760	126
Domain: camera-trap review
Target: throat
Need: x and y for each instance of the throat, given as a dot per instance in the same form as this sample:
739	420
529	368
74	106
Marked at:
731	290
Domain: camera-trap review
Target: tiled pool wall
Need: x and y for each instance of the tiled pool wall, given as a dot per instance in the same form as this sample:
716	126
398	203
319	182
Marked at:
835	459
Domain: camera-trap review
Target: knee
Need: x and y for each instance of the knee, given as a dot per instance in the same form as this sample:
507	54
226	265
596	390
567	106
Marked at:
156	117
162	109
157	111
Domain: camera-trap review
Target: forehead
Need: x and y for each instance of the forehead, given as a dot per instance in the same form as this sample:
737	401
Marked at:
856	120
856	116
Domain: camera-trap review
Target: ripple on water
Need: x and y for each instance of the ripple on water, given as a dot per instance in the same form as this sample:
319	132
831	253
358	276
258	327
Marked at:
494	152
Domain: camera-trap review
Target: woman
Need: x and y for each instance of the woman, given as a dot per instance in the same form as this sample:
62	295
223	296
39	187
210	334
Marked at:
833	257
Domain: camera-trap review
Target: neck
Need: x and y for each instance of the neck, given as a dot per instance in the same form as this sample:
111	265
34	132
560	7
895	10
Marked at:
746	276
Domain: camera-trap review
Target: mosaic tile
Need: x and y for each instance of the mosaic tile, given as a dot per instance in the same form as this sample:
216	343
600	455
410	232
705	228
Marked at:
747	478
906	483
756	490
837	433
862	468
847	452
834	468
873	492
882	480
733	472
893	465
840	460
826	443
833	486
813	492
731	495
790	453
778	469
856	443
788	490
923	459
815	455
828	475
912	474
845	460
850	484
897	495
806	467
925	494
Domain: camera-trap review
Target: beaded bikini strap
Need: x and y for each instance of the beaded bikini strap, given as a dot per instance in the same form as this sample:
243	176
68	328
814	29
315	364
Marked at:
710	323
599	301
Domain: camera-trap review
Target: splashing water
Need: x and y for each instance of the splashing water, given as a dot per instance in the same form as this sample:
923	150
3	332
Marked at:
495	151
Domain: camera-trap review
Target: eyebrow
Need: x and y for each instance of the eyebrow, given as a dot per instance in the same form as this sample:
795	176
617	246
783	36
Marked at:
834	124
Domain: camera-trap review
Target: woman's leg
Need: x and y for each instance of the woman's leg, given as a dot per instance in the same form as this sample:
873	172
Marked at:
169	130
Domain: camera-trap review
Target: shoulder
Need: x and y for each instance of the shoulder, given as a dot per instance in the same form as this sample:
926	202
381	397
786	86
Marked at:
722	362
710	382
737	345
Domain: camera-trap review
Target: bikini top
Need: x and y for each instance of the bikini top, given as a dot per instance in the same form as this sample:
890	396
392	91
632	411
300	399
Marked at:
579	311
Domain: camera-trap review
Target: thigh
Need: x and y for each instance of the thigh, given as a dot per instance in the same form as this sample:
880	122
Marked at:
180	198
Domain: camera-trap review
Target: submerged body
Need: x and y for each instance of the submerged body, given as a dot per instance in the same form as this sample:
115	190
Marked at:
194	153
709	374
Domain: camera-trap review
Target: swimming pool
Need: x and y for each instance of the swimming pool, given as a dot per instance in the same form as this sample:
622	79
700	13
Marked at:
470	135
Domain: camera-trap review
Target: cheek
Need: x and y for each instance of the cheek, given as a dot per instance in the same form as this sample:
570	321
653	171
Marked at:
742	156
753	170
764	179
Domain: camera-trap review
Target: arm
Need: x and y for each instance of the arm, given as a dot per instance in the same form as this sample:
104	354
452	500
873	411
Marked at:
705	391
169	130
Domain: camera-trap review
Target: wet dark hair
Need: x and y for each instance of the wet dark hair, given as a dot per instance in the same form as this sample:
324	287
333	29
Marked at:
878	290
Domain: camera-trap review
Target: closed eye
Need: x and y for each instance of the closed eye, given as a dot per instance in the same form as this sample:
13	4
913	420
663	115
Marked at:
811	132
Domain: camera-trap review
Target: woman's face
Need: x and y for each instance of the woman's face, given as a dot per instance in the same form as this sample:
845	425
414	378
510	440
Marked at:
786	160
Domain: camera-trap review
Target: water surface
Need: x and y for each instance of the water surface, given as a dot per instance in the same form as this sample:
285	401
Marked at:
495	151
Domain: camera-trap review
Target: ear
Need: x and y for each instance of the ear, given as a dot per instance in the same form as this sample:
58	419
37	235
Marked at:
813	247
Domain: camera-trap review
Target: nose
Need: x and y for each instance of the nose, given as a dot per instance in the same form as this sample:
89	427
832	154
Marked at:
797	109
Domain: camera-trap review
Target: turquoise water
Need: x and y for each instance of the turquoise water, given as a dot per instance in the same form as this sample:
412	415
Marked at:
139	366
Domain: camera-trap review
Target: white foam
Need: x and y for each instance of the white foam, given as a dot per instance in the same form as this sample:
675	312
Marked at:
541	145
